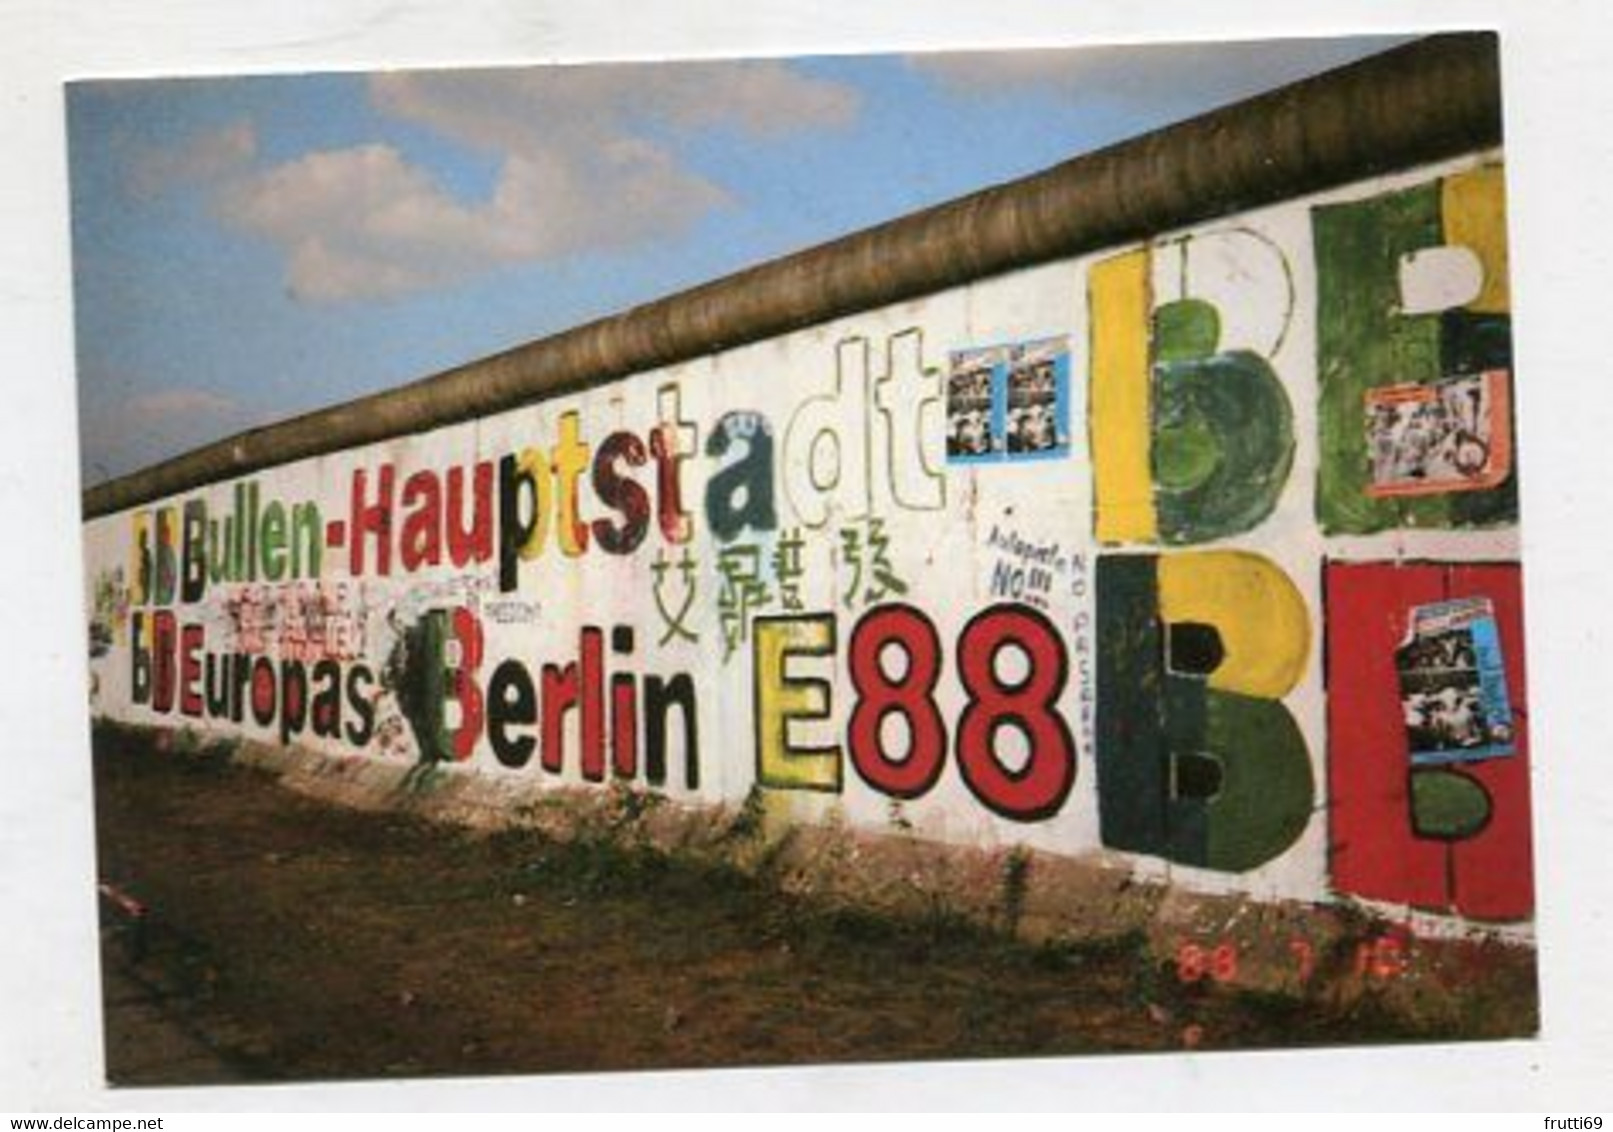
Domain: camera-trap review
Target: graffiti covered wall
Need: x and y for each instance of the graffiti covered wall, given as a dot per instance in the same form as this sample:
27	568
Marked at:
1196	555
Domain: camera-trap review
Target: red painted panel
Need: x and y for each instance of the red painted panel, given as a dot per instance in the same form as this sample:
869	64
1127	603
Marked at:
1374	851
1494	873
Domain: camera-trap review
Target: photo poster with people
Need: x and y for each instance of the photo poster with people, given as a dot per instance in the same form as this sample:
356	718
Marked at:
1453	687
1450	435
1009	402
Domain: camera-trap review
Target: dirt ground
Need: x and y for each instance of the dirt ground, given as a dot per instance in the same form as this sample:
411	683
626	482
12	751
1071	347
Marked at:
286	939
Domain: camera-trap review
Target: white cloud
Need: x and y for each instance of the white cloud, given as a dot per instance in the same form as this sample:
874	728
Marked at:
1167	75
147	409
580	168
516	110
205	157
118	436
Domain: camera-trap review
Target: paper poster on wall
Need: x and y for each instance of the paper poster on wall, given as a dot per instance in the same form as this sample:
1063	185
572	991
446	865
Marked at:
1009	402
1453	685
972	425
1449	435
1038	399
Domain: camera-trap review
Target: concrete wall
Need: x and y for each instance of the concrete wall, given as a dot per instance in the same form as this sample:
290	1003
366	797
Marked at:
1146	556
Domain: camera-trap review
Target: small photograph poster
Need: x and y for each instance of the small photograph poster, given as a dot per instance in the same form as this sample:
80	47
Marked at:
1444	436
971	423
1453	686
1037	417
1009	402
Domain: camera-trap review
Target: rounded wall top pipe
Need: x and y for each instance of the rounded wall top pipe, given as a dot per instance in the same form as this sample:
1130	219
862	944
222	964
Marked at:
1433	99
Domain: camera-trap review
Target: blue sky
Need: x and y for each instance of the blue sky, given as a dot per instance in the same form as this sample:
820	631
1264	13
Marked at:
246	249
